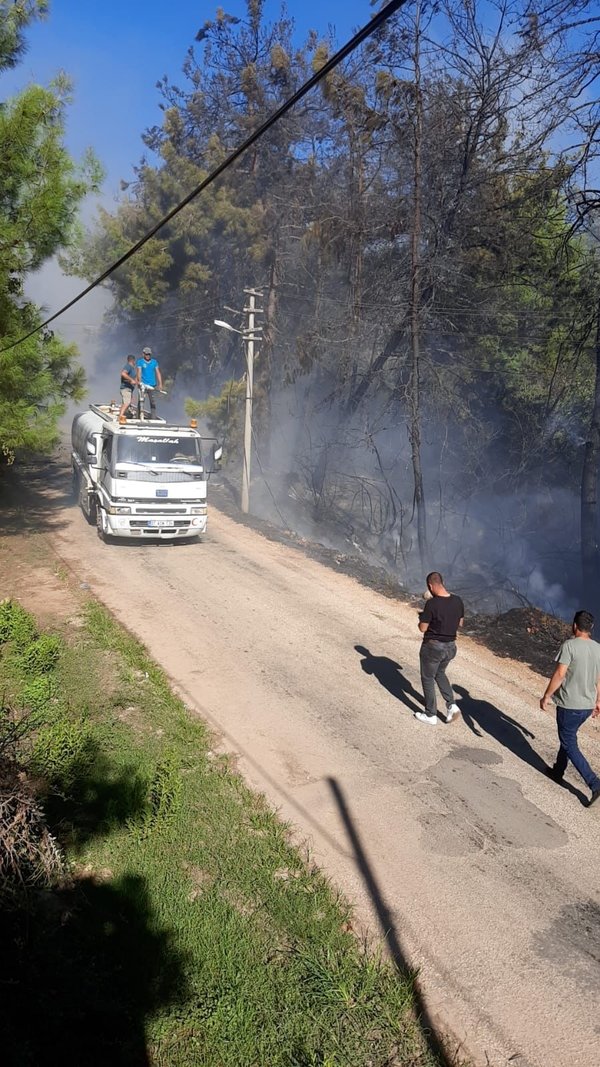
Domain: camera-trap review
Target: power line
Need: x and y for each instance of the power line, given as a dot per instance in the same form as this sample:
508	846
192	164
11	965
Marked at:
346	50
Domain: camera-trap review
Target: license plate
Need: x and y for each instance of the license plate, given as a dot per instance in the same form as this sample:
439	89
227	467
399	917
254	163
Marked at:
159	522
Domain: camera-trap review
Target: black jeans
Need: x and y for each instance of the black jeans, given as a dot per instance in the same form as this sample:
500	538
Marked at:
434	658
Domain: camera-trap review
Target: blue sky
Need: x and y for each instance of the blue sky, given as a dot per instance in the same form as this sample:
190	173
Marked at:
116	50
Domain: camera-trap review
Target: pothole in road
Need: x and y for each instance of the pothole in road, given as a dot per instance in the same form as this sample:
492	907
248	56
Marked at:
474	809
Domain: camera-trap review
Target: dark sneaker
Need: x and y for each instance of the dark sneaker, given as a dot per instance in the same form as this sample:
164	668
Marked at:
594	797
550	772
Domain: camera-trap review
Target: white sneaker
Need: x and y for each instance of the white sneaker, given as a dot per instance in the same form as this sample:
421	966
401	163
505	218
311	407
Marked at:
423	717
451	711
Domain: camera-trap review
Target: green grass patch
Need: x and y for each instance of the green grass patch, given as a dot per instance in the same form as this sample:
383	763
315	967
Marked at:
190	930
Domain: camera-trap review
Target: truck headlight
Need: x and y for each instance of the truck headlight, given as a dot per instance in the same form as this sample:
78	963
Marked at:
198	511
118	509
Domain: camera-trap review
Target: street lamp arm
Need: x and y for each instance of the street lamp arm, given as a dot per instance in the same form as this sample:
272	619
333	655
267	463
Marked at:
227	326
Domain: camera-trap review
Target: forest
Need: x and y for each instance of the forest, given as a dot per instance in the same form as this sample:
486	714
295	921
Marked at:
423	230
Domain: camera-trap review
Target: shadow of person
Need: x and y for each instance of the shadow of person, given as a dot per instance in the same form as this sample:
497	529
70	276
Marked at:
504	729
86	965
389	674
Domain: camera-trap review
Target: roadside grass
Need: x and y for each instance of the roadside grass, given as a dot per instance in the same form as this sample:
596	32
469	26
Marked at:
187	929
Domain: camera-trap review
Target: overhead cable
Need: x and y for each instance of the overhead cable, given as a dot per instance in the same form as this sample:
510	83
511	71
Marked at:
374	24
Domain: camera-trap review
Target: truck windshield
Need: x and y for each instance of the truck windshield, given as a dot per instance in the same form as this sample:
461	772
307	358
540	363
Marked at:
159	449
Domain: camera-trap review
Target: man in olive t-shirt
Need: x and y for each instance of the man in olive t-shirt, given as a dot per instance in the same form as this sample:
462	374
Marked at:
575	689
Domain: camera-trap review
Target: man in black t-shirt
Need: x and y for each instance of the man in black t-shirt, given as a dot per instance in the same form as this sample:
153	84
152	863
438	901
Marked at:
438	622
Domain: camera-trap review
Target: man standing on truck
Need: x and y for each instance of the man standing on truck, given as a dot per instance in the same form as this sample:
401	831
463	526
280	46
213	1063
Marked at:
148	373
128	384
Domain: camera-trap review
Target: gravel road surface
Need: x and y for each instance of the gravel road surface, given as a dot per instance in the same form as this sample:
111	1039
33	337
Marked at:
484	873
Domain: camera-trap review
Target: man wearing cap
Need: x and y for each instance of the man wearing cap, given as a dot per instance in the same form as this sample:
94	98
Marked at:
148	373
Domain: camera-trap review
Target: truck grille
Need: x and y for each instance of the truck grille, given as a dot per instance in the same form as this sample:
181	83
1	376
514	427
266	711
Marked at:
160	476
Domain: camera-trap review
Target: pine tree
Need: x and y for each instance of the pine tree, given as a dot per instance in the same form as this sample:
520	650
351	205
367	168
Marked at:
40	192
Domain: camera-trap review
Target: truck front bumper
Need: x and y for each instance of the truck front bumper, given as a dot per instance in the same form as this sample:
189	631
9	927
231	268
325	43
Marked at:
162	527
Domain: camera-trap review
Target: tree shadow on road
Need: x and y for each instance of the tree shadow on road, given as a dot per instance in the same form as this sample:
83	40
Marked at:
389	674
33	494
484	718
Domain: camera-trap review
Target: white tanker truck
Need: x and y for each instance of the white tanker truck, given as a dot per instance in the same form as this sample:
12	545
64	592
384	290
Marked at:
141	478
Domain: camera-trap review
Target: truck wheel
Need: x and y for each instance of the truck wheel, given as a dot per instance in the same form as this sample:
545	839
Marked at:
92	514
99	525
74	485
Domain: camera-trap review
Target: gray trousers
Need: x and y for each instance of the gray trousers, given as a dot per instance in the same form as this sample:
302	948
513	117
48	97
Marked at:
434	658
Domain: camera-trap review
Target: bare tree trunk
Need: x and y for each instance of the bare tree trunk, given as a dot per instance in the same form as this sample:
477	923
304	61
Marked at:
266	366
357	210
415	306
590	549
390	351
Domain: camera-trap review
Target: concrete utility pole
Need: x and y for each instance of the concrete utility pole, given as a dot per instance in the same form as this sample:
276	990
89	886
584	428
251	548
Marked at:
249	335
250	311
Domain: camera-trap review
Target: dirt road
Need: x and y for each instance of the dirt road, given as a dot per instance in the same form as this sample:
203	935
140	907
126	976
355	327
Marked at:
483	871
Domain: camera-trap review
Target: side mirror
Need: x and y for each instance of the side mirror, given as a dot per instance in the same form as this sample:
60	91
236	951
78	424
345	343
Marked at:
213	453
93	446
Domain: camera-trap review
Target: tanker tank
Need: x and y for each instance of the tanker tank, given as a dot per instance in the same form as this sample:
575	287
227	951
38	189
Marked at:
82	431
